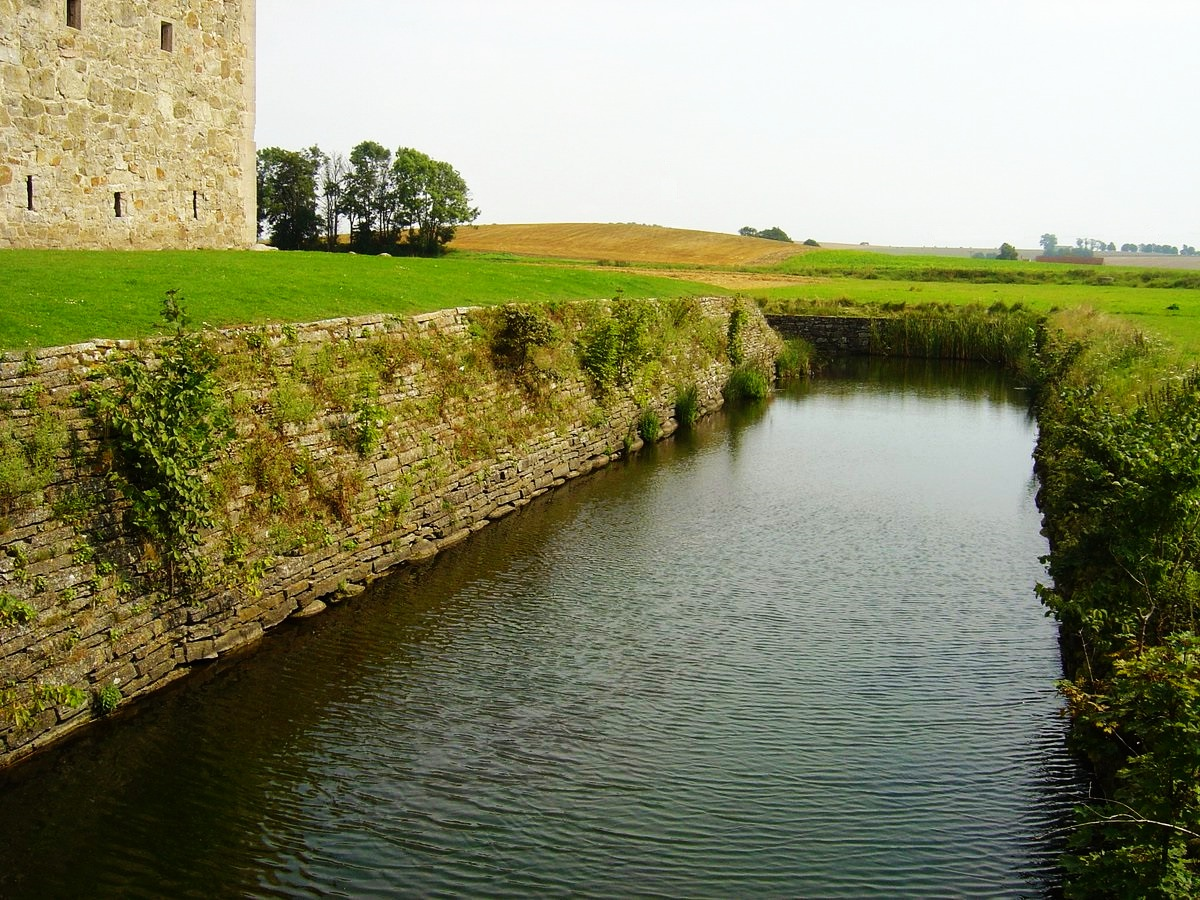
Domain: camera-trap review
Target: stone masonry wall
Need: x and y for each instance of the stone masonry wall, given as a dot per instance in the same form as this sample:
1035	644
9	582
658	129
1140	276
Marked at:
130	127
830	335
361	444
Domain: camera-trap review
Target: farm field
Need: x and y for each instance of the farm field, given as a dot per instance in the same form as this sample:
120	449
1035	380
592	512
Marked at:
58	297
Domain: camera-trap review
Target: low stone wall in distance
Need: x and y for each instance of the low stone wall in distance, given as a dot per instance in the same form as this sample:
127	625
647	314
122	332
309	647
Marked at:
358	445
829	335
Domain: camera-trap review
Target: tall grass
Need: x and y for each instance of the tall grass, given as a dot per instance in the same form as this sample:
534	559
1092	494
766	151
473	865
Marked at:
1000	336
745	383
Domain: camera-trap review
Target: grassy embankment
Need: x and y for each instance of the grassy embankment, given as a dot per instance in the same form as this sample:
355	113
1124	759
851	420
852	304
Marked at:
1164	303
50	298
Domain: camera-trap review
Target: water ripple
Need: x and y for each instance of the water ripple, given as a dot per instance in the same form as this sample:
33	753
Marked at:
787	658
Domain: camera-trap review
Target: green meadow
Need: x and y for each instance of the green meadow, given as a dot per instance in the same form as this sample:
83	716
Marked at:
54	297
1171	314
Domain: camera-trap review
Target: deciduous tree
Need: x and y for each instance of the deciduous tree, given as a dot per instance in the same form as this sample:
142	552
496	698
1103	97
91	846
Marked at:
287	197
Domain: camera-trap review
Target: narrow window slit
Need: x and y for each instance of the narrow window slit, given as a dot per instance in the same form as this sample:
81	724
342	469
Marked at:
118	204
195	204
29	192
75	13
167	37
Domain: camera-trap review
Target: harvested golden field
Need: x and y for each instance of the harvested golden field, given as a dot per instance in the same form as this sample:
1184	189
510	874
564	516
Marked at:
624	243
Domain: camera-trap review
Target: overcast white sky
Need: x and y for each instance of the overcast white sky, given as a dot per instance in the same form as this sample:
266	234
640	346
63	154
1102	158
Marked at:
911	122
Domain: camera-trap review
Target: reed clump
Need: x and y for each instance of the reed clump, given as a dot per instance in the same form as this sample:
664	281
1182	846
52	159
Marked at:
998	334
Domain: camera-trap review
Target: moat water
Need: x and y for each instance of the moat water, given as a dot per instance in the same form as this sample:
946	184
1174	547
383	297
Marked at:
795	653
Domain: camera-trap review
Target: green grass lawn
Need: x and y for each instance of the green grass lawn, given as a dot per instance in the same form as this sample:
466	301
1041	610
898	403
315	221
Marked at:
53	297
1146	308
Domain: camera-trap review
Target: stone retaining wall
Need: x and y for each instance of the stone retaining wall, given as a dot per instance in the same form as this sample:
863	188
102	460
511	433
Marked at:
830	335
312	510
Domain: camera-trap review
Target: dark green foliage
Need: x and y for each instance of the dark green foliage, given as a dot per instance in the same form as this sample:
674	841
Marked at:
735	336
687	405
774	233
997	335
15	612
433	198
613	349
746	383
108	698
1007	251
795	360
29	460
1120	496
521	330
409	195
287	196
649	428
809	242
165	420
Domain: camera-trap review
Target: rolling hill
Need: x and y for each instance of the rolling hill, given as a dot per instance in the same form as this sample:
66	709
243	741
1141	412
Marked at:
624	243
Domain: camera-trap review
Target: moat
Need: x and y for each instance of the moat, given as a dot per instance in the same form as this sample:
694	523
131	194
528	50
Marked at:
795	653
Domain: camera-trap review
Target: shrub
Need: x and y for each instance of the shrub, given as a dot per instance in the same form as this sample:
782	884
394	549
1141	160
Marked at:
613	349
737	325
108	698
795	360
165	423
15	612
648	426
687	405
745	383
521	330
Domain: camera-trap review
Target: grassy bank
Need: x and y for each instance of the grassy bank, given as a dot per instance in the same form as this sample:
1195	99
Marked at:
51	297
1120	498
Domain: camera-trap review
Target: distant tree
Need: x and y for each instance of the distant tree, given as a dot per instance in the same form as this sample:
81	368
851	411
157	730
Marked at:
1007	251
1129	248
432	200
1187	251
287	197
809	242
334	175
775	233
1049	243
1111	248
370	192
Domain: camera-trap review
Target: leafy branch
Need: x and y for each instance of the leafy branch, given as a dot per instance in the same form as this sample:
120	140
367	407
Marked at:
166	421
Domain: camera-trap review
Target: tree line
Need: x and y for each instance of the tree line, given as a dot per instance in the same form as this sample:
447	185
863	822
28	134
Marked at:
1091	246
405	201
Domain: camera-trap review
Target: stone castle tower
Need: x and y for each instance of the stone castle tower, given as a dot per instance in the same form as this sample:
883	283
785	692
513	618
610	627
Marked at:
127	123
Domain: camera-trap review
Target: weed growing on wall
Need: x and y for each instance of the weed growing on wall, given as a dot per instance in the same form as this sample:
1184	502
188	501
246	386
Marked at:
613	349
519	332
735	335
15	612
29	460
795	360
649	428
687	405
165	420
746	383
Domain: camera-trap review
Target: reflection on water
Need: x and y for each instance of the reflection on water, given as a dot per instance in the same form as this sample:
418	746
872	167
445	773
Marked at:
794	653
